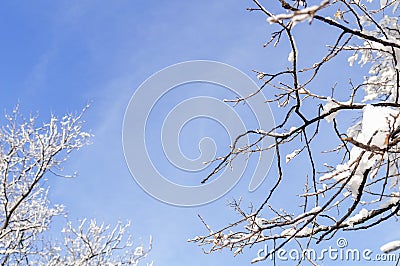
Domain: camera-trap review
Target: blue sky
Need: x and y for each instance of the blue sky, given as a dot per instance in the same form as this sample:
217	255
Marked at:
58	55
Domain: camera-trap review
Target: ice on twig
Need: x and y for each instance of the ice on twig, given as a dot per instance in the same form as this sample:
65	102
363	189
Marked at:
391	246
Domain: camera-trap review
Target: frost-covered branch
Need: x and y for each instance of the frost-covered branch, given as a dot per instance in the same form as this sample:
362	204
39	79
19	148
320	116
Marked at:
94	244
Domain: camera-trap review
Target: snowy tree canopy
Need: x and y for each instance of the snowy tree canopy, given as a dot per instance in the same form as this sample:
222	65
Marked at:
347	133
30	154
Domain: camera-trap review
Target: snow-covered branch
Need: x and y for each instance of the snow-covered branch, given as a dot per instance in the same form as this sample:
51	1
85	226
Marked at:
359	187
